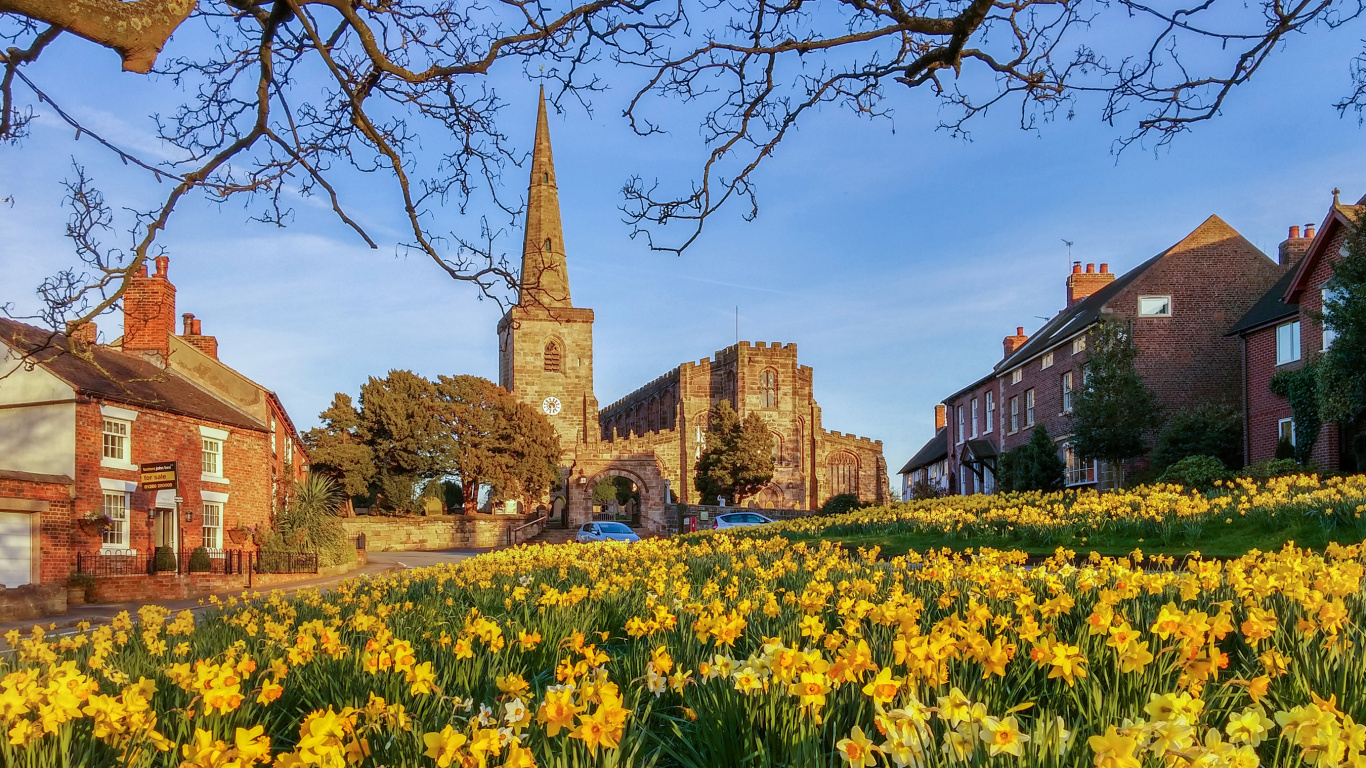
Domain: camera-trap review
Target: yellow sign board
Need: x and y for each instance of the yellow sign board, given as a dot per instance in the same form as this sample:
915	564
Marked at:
158	476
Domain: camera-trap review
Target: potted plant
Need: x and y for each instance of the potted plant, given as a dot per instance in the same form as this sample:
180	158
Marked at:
199	560
95	522
239	535
163	559
77	587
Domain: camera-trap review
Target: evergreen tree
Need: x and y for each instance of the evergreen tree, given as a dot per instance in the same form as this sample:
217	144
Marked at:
337	452
738	460
1342	369
1114	410
401	421
1042	468
1208	429
499	442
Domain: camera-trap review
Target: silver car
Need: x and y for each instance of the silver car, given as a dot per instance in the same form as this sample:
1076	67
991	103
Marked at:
739	520
605	532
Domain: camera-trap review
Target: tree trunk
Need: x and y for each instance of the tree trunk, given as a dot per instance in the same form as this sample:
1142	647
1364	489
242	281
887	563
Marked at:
471	498
137	30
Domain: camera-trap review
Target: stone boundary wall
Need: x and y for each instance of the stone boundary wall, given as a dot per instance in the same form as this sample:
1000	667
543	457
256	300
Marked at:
32	601
405	534
170	586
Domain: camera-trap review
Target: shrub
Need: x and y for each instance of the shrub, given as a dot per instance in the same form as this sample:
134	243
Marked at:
163	559
308	522
1285	449
1195	472
1265	470
1208	429
924	490
1034	466
199	560
838	505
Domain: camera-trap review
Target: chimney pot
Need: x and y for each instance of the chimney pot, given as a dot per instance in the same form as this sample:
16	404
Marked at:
198	329
1309	231
142	270
1019	330
188	320
1090	269
1104	268
1295	232
1076	268
163	266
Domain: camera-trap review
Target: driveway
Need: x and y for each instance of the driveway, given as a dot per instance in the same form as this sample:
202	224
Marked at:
378	563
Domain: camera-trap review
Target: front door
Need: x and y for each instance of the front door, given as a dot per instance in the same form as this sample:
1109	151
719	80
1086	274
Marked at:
164	529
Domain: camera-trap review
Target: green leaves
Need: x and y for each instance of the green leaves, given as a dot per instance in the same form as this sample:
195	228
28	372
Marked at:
738	459
1114	409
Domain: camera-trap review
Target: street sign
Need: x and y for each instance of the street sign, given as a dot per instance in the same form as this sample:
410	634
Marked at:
158	476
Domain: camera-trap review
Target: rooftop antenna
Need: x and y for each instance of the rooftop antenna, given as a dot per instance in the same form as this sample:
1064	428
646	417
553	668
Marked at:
737	323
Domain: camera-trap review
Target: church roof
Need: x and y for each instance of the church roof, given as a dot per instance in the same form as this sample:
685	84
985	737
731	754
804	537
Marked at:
545	276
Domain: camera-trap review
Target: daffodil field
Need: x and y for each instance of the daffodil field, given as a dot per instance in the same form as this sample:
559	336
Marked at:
744	649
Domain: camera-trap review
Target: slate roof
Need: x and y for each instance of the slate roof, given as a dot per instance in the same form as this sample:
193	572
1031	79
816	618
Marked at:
1074	319
122	378
937	449
1269	307
970	387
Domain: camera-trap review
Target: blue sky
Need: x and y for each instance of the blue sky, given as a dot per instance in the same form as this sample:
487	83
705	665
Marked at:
895	256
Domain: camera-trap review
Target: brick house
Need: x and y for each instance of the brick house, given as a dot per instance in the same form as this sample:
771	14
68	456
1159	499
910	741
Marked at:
1278	333
78	418
1176	306
930	464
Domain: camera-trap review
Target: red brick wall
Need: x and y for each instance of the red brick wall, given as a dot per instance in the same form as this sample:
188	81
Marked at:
55	556
1264	410
158	436
149	311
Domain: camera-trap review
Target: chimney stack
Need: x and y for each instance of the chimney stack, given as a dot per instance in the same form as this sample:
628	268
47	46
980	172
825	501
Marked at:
1082	284
149	311
941	417
195	337
1294	246
1013	343
84	334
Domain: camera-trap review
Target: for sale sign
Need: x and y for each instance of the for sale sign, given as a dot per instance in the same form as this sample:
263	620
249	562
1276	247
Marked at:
158	476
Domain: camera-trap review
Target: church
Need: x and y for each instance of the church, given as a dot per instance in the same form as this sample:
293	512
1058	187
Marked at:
654	435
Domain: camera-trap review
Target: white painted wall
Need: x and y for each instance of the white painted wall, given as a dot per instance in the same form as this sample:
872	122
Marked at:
40	439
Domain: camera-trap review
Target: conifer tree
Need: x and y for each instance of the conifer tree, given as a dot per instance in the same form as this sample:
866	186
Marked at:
498	441
401	421
337	452
738	460
1114	410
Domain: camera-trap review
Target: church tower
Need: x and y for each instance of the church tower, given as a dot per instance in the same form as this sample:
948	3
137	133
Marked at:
545	343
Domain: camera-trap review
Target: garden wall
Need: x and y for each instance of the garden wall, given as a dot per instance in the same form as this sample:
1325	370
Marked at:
171	586
405	534
32	601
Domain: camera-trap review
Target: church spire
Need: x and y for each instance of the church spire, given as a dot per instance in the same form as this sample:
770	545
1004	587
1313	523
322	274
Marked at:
545	277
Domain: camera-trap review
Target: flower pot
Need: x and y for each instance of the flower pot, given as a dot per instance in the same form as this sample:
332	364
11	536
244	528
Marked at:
91	527
238	536
75	596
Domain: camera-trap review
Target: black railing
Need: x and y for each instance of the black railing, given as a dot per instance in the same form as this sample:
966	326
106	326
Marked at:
285	562
127	563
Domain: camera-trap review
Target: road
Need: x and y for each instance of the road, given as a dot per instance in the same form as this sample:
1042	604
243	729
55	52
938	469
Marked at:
378	562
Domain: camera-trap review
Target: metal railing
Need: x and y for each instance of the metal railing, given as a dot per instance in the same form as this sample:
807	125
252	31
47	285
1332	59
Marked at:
518	534
129	563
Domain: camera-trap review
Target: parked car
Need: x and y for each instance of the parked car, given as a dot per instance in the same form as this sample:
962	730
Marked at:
606	532
739	520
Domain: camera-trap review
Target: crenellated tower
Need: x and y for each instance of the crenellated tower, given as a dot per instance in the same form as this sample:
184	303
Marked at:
545	343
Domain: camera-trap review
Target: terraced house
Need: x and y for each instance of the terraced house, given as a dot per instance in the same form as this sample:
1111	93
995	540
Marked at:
79	420
1177	306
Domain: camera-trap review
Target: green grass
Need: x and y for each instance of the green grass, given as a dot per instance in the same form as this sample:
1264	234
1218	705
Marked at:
1214	539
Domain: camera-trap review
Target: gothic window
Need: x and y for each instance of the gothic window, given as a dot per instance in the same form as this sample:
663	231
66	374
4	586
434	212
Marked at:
777	447
768	387
552	357
547	243
842	474
545	177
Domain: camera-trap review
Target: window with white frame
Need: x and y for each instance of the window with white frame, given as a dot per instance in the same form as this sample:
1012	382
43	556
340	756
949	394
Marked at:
1288	342
1285	430
1154	306
115	506
289	452
1078	344
1067	392
1029	407
1016	375
974	417
991	413
272	434
116	440
960	423
1046	361
213	525
1015	414
211	457
1328	333
1078	472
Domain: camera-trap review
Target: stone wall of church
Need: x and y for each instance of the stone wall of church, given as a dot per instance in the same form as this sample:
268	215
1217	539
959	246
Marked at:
672	414
548	352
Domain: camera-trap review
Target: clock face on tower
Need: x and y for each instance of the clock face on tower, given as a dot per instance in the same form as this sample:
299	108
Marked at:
551	405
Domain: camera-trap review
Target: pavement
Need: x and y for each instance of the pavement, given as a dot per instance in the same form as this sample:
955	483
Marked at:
378	563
